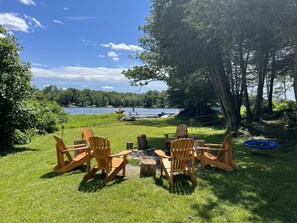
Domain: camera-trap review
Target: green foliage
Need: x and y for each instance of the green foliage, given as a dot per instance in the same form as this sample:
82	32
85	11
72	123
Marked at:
173	54
46	115
22	138
279	106
15	88
290	119
238	44
92	98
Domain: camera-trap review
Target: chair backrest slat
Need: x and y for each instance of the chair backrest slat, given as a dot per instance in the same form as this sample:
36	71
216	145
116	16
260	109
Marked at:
60	146
227	147
87	133
101	151
181	131
180	151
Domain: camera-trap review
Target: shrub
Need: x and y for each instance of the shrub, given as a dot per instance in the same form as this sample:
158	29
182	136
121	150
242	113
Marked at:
290	119
15	88
285	105
46	115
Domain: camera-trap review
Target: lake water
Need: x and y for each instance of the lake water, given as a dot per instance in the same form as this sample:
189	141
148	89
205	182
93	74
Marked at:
137	111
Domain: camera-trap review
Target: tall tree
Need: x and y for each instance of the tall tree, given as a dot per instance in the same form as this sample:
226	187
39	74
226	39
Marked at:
15	87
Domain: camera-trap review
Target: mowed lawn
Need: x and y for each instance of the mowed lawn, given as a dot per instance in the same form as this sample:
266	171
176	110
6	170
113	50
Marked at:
262	189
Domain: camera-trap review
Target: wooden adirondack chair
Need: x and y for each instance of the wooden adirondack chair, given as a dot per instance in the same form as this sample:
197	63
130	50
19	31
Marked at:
181	152
223	159
99	149
64	166
86	134
181	132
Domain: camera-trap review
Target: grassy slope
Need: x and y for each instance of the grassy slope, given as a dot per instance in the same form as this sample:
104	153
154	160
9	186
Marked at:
263	189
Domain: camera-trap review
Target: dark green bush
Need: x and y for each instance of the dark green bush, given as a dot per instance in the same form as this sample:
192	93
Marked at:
290	119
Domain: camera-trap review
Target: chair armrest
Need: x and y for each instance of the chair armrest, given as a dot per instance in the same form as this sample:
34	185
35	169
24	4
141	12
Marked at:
76	146
166	134
161	153
209	148
75	149
210	144
123	153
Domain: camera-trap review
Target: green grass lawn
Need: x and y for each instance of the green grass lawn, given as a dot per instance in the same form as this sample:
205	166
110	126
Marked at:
262	189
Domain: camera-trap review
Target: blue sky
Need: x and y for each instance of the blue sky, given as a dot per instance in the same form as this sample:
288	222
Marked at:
79	44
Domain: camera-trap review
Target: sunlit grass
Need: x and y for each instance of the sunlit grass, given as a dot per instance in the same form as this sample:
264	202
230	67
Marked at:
263	189
83	120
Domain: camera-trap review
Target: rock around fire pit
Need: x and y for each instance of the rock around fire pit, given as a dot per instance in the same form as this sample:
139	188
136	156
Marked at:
144	154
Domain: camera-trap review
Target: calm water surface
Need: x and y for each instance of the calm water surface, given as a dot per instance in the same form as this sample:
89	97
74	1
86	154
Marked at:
138	111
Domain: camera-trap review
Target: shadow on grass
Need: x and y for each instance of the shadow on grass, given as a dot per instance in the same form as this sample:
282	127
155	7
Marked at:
97	183
53	174
286	139
181	184
50	175
16	150
263	186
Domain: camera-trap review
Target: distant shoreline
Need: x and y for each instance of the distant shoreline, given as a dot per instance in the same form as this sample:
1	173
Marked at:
127	110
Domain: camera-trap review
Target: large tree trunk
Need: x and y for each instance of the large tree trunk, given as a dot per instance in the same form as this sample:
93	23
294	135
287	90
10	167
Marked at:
295	69
243	66
262	73
272	76
219	79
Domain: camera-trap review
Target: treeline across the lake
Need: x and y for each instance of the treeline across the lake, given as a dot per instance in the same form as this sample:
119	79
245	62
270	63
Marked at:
92	98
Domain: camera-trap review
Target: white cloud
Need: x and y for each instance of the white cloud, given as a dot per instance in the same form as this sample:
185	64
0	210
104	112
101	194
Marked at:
58	21
2	35
101	56
81	73
34	22
114	56
107	87
38	65
122	46
89	42
81	18
65	8
27	2
88	77
11	21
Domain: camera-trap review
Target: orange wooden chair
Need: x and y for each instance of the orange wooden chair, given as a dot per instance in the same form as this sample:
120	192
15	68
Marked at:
181	132
62	150
99	149
223	159
181	152
86	134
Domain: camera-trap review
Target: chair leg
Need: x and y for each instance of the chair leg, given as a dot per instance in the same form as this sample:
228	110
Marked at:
192	176
124	169
90	173
111	175
171	180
